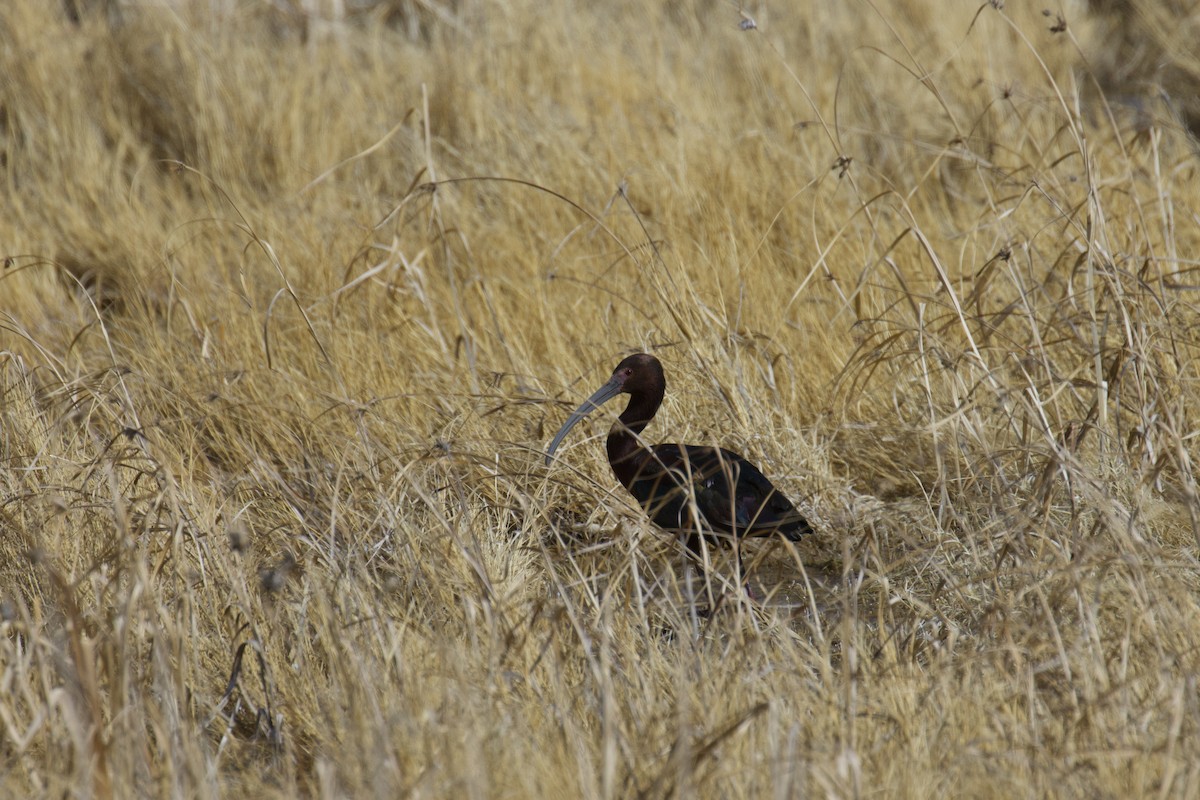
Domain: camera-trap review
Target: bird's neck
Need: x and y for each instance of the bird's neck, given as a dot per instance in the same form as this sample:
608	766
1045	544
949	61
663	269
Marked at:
625	450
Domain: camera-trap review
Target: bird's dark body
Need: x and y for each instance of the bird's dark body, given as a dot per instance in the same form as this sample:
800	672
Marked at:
731	497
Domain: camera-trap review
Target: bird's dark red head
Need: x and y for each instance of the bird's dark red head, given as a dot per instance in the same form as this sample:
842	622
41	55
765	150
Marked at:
640	373
640	376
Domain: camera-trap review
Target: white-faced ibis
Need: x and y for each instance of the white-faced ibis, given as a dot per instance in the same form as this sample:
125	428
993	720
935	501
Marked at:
691	490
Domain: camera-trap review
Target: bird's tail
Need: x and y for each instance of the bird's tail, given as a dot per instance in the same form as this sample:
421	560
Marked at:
794	526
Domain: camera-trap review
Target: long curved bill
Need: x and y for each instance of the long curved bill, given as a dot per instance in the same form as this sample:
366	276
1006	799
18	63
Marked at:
602	395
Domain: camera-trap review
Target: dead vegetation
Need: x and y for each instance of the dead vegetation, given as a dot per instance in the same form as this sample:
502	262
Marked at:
294	294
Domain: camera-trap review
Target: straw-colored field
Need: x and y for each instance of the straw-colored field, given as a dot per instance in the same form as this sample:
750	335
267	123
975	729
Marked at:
295	294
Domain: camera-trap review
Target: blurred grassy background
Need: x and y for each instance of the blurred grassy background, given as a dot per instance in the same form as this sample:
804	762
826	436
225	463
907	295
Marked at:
295	293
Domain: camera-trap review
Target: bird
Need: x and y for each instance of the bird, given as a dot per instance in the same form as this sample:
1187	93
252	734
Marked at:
697	492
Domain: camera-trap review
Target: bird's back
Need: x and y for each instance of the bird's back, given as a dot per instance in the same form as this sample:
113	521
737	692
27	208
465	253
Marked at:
731	494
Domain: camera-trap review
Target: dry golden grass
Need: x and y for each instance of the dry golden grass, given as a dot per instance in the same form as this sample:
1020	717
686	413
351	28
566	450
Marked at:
296	292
